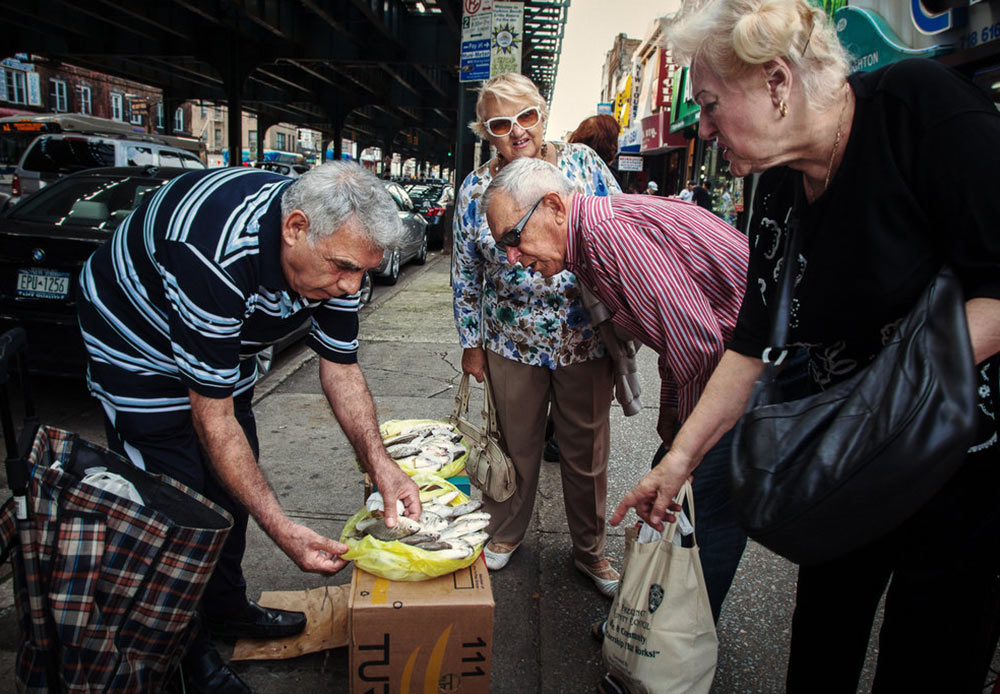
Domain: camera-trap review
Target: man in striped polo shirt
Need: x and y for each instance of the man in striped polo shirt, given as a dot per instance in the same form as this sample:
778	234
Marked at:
214	267
672	275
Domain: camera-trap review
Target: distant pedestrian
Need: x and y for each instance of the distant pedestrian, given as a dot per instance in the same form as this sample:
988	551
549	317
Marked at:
652	188
702	195
600	133
688	193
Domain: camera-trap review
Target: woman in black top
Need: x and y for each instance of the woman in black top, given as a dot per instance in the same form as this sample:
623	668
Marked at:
898	172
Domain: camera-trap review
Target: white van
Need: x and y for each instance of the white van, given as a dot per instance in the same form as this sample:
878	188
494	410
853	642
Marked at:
52	156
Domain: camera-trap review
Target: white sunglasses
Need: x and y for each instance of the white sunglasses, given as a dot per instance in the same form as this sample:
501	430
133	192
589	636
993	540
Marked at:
501	126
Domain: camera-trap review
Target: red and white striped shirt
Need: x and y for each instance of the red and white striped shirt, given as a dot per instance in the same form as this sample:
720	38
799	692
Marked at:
671	273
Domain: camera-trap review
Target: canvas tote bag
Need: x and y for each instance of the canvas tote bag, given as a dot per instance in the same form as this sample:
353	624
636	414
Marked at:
660	637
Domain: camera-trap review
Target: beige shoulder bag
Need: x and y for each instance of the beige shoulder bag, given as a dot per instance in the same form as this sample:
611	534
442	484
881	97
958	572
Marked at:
489	468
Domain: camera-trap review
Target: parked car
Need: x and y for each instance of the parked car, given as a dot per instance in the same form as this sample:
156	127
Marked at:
415	243
49	157
291	170
435	203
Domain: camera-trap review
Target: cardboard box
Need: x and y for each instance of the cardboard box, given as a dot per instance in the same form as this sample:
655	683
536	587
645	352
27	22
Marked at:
424	637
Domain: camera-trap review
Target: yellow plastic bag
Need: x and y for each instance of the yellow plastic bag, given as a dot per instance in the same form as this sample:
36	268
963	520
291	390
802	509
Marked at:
395	426
401	562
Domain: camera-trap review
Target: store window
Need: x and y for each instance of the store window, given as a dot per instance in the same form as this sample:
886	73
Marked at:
159	115
86	105
135	113
218	137
57	96
17	92
179	120
252	142
280	141
117	107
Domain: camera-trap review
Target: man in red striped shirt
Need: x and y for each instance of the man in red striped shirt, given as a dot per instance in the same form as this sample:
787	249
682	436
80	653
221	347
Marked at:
673	276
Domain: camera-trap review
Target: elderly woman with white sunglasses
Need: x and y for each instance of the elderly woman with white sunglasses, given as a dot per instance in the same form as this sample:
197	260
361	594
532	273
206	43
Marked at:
534	338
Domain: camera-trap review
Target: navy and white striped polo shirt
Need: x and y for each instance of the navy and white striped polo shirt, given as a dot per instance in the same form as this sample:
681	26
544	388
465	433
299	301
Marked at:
190	287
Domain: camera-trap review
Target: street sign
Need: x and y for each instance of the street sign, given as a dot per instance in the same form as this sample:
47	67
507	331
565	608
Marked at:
477	24
508	37
627	163
606	107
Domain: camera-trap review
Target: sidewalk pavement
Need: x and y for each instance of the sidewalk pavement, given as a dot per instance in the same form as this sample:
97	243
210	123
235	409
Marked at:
544	607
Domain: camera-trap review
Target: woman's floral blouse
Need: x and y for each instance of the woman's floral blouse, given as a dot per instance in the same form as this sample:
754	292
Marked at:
528	318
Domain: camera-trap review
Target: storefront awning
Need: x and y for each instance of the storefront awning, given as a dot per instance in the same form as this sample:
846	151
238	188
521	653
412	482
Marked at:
871	42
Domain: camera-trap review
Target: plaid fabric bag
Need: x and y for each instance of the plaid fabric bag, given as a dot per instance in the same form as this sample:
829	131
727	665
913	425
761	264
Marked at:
106	589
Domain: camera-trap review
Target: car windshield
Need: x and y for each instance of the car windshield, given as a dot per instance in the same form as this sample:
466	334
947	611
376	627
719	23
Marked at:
65	154
94	201
425	193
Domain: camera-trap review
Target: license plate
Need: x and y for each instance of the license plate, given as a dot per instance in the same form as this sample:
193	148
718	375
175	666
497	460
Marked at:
43	284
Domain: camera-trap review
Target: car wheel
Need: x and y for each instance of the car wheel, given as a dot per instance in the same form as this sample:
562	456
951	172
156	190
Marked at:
422	253
265	360
392	272
367	290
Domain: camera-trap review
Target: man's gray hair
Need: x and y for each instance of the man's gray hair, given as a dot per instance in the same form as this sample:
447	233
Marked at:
331	194
527	179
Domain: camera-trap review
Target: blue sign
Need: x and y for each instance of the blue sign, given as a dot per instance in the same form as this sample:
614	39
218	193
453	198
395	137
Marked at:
475	63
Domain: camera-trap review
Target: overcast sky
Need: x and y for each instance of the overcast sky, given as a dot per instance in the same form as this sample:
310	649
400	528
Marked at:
591	27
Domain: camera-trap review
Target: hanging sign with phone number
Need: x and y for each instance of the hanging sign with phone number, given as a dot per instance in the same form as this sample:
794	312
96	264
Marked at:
984	35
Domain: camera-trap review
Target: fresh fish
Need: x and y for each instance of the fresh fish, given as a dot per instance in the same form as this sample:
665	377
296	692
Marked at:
402	450
465	525
399	439
470	506
435	510
376	528
458	550
435	546
424	536
476	538
446	498
433	524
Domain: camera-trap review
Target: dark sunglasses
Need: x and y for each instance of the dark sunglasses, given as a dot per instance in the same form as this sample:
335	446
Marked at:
501	126
512	238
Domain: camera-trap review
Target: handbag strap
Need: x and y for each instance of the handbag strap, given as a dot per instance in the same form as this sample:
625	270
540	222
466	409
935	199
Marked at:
461	401
670	529
786	287
490	427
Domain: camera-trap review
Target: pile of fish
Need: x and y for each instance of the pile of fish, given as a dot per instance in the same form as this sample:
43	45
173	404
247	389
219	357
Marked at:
451	532
426	447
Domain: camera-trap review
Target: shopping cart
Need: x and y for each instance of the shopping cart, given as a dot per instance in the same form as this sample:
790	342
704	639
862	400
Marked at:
109	561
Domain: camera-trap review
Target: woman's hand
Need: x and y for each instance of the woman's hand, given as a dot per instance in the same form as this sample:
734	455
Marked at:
653	497
474	362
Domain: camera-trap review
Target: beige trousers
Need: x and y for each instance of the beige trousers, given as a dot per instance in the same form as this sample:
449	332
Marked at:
581	399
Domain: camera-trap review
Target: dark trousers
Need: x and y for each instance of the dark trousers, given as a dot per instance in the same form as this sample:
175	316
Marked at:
166	443
941	568
721	541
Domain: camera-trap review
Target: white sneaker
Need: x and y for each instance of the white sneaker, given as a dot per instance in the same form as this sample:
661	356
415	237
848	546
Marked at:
602	574
497	554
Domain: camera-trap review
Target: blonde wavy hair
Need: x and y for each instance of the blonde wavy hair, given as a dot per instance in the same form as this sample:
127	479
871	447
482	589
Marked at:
509	86
735	37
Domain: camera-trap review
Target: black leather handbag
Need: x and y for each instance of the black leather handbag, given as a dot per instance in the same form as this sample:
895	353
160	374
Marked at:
817	477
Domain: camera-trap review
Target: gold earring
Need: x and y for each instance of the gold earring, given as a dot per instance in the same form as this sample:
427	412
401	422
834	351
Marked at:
782	108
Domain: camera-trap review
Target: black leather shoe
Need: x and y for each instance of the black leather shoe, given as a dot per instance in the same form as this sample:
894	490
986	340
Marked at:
204	671
256	622
551	452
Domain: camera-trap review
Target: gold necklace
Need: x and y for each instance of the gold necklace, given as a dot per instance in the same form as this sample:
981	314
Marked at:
836	140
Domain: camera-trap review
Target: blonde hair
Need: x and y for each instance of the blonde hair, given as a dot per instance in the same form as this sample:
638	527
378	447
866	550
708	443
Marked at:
509	86
734	37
